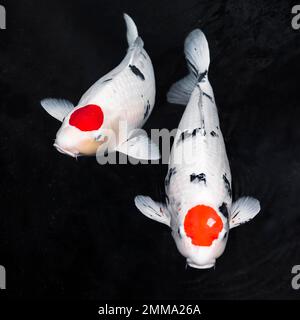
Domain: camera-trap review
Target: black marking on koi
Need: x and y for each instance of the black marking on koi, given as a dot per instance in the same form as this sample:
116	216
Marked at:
208	96
202	76
199	177
137	71
194	70
195	131
187	134
182	136
107	80
227	185
214	134
170	173
147	110
167	199
235	214
223	209
203	131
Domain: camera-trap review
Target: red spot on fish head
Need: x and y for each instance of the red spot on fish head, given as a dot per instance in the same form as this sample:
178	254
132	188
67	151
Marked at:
203	225
87	118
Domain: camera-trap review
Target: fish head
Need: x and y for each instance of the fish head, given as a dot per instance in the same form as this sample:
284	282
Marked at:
80	131
201	235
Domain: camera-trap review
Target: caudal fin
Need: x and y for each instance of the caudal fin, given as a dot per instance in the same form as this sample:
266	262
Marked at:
132	32
197	56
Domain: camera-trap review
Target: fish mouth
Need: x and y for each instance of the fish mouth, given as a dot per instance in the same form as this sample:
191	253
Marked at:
63	151
200	266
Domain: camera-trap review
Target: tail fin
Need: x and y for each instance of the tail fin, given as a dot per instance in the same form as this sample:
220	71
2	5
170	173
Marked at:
132	32
197	56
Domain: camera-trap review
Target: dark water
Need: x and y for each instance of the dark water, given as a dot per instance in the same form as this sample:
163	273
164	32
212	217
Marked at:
70	228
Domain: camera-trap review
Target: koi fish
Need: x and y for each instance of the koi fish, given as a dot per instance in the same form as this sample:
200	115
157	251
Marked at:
127	93
199	208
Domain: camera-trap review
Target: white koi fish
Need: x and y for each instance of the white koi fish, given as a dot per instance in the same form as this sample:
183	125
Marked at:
126	94
199	208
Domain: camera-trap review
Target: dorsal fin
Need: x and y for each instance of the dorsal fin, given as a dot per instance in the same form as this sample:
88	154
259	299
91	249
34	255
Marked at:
132	32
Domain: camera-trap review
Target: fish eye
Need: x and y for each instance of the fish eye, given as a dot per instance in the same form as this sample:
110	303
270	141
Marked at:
98	137
101	138
179	233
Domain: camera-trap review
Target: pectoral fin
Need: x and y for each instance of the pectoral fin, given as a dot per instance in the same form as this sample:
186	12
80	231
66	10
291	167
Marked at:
57	108
140	147
153	210
243	210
